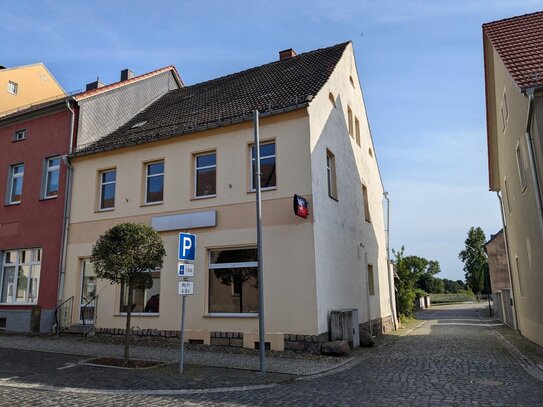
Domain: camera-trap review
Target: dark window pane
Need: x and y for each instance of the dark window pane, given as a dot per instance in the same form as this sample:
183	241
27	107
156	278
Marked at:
206	182
233	290
54	162
155	188
156	168
267	149
52	183
109	176
206	160
108	196
267	168
233	256
143	300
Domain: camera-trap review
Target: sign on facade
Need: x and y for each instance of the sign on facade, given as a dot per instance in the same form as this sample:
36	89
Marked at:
185	288
187	246
185	270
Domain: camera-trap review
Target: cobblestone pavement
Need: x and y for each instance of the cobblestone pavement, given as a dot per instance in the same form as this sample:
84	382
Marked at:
455	357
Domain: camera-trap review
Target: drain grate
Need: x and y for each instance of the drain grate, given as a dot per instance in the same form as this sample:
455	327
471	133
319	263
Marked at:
488	382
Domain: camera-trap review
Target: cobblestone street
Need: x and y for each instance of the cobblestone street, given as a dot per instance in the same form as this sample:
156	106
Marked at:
454	357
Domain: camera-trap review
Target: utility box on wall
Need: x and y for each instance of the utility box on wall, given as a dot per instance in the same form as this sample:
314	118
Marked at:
344	326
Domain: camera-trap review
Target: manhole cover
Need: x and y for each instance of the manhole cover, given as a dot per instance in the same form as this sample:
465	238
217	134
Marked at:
488	382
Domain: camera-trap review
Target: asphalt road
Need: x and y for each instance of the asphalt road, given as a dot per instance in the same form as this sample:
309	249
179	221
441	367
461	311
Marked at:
455	357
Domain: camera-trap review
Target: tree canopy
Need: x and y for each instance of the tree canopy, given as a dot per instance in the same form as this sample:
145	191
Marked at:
474	259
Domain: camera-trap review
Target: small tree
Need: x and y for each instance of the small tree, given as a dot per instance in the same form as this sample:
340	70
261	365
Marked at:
474	259
124	255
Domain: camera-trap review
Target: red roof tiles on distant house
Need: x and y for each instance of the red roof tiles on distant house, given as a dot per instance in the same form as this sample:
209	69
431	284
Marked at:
519	43
92	92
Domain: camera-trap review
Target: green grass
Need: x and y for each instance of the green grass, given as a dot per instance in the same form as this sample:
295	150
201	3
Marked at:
438	298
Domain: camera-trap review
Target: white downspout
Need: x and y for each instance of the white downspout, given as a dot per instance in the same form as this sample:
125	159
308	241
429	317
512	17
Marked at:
67	206
389	268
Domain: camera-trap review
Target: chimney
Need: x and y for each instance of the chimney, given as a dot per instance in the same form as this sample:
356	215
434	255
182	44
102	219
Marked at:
126	74
286	54
94	85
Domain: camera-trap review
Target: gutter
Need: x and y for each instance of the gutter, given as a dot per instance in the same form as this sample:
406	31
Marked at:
532	159
67	206
508	257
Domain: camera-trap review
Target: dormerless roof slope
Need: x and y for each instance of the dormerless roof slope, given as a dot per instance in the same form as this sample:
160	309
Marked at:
272	88
519	43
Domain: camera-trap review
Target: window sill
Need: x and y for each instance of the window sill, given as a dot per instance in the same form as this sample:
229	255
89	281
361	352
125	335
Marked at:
138	314
231	315
151	203
253	191
18	304
104	210
197	198
47	198
12	203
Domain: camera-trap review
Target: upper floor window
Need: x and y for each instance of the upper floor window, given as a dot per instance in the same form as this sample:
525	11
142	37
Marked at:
350	121
371	280
20	276
267	166
15	183
107	189
357	130
51	178
13	87
205	175
366	204
19	135
154	182
521	169
331	174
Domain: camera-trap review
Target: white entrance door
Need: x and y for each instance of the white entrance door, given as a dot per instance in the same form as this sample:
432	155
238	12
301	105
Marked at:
87	306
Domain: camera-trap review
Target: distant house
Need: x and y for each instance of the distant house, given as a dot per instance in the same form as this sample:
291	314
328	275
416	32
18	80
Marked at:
186	163
513	55
35	176
23	86
500	283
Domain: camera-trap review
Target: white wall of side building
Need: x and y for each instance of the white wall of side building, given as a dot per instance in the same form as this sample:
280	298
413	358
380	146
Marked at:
343	239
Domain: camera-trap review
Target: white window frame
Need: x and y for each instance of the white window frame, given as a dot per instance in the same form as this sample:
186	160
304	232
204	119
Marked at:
47	173
102	184
19	135
262	157
32	264
205	167
12	178
13	87
214	266
331	174
521	170
147	176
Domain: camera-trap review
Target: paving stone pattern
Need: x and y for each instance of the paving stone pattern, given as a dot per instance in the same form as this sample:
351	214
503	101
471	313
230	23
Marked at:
452	359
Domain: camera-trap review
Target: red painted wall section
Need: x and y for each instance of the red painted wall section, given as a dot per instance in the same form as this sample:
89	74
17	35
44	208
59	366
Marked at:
35	222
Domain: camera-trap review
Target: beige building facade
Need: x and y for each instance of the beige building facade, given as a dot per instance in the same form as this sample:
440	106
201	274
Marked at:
200	181
514	97
27	85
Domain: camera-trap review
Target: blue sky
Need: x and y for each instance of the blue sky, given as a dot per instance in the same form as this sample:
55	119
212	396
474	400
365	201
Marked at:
420	63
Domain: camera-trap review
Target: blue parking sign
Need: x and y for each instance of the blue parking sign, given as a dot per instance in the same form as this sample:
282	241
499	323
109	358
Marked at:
187	246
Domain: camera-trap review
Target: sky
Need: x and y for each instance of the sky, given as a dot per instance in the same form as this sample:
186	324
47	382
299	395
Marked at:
420	64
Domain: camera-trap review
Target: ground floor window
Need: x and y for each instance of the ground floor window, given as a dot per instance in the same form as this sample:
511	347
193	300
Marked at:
20	279
233	281
144	300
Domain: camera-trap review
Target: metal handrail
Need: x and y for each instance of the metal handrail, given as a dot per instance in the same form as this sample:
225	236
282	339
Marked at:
94	301
63	314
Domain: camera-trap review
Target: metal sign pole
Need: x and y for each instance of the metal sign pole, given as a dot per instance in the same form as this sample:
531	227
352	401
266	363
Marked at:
261	331
182	345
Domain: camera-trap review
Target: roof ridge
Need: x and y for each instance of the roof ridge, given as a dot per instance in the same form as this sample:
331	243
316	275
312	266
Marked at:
254	68
511	18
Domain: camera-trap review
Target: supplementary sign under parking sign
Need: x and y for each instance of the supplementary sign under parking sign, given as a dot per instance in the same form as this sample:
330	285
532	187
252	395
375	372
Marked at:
187	246
185	288
185	270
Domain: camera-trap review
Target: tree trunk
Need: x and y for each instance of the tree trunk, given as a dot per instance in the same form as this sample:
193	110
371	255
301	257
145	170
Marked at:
127	330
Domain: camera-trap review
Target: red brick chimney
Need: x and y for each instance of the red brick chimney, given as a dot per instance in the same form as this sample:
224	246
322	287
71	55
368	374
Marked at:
286	54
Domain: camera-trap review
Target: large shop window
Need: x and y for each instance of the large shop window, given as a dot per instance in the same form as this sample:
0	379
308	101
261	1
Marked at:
21	276
144	299
267	166
233	281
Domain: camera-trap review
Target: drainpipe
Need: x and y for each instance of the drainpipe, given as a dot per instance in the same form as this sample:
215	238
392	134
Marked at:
508	257
67	205
389	269
533	162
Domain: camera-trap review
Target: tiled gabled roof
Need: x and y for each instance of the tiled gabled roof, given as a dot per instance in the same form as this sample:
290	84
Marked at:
519	43
272	88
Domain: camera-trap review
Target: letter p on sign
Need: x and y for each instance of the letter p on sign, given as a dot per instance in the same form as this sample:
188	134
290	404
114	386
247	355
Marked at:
187	246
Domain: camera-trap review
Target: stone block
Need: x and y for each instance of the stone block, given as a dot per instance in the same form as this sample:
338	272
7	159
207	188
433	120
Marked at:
365	339
220	341
313	347
236	342
295	346
336	348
